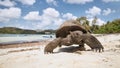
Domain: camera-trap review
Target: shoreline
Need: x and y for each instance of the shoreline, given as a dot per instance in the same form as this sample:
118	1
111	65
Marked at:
24	44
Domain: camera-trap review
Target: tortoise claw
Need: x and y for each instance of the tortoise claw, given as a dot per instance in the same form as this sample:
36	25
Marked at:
48	52
98	50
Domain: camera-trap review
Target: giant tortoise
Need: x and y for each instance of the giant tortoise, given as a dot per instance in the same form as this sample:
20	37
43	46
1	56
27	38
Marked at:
71	32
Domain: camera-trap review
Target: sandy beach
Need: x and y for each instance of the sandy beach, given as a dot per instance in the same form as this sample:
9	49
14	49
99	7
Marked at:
31	55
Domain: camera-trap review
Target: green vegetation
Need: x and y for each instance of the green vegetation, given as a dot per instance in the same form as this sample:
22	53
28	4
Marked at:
110	27
13	30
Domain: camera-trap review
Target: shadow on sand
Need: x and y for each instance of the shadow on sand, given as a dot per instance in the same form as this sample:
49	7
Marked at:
71	49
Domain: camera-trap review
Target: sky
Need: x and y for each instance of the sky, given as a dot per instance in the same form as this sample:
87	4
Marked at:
50	14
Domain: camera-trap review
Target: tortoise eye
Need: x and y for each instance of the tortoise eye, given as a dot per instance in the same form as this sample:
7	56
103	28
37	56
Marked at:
77	34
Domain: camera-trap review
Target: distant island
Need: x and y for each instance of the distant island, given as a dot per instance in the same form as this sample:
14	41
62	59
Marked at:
14	30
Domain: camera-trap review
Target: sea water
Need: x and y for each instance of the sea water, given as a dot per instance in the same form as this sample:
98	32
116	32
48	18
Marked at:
20	38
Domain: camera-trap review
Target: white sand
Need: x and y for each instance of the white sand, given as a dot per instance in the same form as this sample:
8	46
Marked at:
84	59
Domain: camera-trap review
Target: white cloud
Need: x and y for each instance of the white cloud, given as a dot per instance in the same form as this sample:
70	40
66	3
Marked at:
11	3
51	12
77	1
52	2
107	1
58	21
4	19
10	13
51	18
48	24
99	21
94	11
34	15
108	11
7	3
27	2
69	16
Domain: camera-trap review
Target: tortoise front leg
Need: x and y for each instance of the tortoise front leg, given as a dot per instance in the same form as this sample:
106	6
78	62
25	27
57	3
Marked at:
52	45
81	46
93	43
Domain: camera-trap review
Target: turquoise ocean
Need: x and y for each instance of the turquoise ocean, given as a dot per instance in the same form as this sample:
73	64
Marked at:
20	38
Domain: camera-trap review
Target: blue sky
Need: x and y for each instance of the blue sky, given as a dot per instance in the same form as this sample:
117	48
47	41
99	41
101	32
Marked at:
49	14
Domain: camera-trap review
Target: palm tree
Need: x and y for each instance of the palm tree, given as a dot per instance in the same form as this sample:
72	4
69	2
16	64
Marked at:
94	21
84	22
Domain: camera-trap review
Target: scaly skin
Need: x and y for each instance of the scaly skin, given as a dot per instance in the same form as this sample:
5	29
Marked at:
57	42
92	42
52	45
89	39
